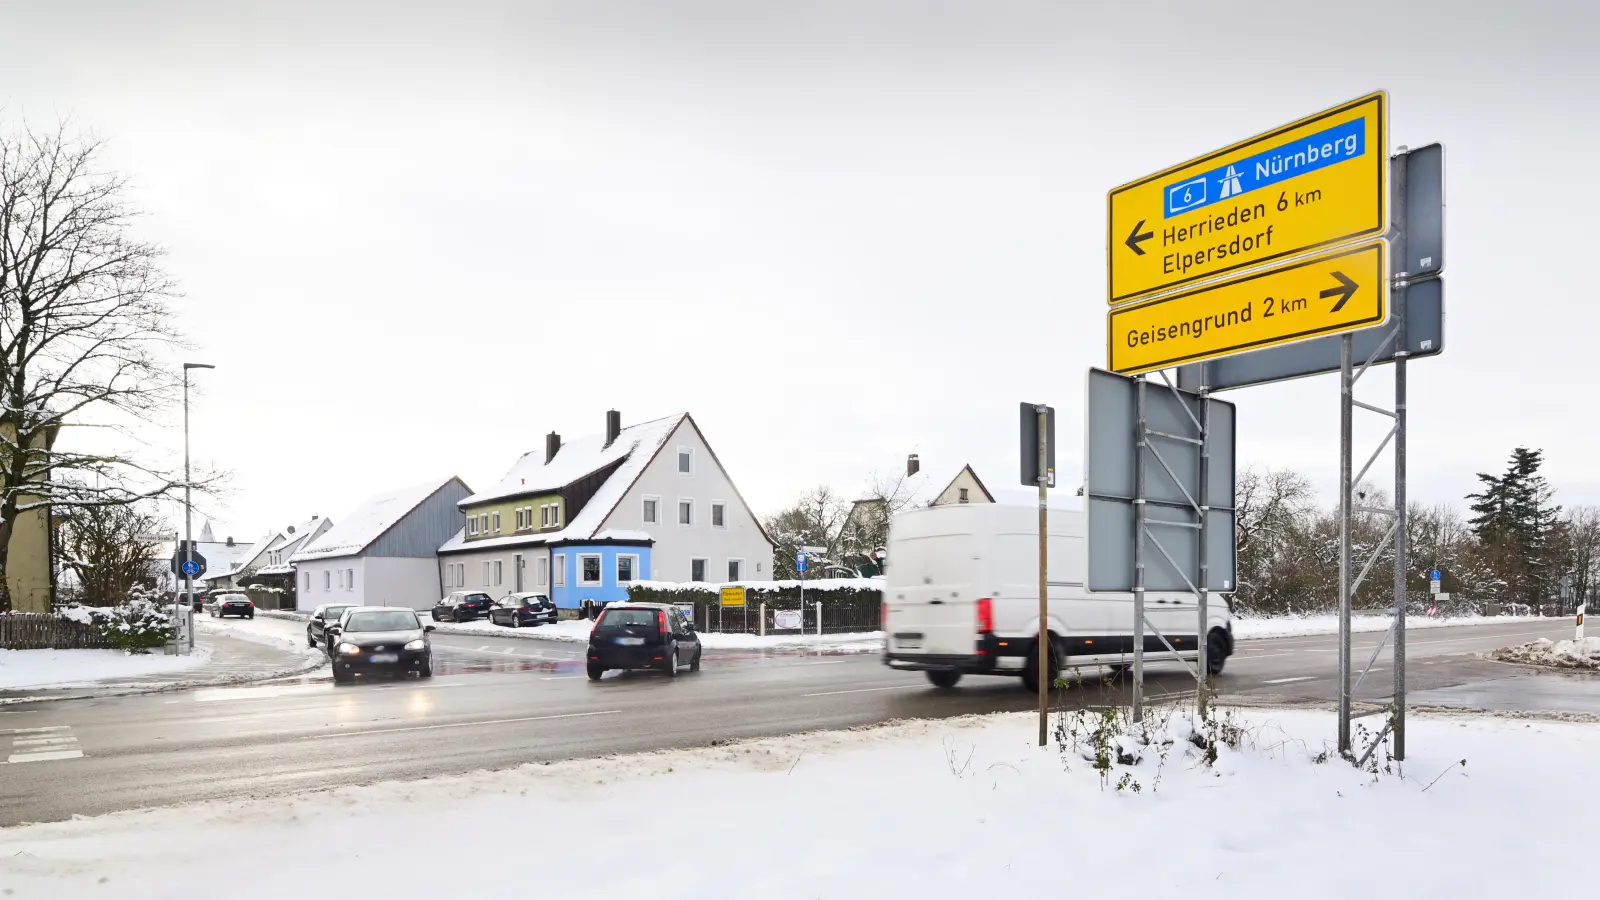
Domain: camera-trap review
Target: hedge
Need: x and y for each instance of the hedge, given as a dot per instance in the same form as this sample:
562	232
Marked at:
848	604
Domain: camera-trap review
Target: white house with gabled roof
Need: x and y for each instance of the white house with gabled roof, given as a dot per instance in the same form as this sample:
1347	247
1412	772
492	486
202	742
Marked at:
581	520
382	554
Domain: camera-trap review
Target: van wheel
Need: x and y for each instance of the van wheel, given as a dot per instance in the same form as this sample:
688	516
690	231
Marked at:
943	678
1216	651
1030	669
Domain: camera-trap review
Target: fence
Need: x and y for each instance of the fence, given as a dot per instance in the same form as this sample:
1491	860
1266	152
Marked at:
844	609
43	631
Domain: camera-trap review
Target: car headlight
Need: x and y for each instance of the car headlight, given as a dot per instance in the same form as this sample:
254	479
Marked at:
416	645
349	649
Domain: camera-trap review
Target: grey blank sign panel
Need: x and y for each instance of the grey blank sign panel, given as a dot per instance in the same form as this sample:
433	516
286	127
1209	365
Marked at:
1110	476
1424	201
1421	303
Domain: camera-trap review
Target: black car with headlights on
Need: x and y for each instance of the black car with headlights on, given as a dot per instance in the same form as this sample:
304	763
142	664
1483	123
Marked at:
372	639
642	636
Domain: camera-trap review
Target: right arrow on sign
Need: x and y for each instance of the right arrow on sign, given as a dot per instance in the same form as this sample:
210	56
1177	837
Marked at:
1344	291
1135	238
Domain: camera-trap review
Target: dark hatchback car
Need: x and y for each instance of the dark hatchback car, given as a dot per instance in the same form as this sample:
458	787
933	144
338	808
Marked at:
372	639
642	636
321	618
522	610
463	606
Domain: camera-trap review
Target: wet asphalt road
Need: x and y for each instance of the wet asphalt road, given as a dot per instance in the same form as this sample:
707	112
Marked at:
498	702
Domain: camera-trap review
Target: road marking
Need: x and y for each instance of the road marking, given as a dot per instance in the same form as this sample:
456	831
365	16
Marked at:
1268	655
43	744
1287	680
898	687
340	734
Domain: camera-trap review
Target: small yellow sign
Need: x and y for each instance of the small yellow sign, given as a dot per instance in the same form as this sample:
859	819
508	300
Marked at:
733	596
1334	292
1313	184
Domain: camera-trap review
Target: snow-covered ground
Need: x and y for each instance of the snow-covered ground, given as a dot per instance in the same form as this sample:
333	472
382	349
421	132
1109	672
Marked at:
1297	626
577	631
1584	654
956	808
284	634
79	668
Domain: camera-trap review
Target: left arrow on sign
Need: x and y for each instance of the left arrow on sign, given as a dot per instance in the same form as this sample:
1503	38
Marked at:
1344	291
1135	238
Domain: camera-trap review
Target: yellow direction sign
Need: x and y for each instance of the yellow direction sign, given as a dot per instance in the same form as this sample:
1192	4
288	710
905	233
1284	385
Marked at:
1333	292
1316	183
733	596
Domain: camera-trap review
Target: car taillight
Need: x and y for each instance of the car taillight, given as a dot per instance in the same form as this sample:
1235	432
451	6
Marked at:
661	619
985	616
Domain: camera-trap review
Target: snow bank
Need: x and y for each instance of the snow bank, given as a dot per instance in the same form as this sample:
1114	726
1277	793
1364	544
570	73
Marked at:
1297	626
1584	654
955	808
83	668
285	636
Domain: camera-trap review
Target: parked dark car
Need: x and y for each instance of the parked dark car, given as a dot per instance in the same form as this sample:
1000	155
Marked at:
321	618
371	639
463	606
521	610
642	636
224	605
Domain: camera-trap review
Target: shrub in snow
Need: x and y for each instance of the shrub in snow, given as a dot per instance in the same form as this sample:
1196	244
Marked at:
135	627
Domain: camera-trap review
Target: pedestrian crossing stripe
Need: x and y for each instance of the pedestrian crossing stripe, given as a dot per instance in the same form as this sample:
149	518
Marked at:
52	742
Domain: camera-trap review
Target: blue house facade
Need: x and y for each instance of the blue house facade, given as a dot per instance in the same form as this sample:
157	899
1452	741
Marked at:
596	571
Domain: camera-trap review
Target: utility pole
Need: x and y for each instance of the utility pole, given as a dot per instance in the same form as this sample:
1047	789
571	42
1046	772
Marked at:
188	514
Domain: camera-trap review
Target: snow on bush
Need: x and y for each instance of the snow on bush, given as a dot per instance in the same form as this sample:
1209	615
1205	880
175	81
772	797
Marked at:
1584	654
135	627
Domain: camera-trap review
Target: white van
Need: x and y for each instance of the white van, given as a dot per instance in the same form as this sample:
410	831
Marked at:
962	597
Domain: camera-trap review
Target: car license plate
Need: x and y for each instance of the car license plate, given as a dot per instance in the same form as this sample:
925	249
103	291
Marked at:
385	657
630	641
910	640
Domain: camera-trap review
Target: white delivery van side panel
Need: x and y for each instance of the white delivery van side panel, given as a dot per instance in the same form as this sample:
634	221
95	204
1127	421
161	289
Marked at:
938	563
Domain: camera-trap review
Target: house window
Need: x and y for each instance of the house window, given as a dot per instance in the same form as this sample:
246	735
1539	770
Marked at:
327	580
719	514
307	580
499	573
555	515
483	523
588	568
544	516
461	575
697	570
349	579
627	568
685	460
543	570
472	525
652	510
497	523
685	512
964	498
559	570
519	518
735	570
486	573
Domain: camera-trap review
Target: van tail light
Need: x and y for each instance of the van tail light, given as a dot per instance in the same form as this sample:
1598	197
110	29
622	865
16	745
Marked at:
661	619
985	616
883	618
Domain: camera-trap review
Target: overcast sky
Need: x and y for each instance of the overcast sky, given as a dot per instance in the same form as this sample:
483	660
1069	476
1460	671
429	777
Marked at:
415	237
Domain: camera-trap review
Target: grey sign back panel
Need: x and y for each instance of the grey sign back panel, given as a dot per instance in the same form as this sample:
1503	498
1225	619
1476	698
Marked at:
1421	303
1111	455
1424	201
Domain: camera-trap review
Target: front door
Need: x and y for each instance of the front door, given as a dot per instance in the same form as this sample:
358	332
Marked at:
517	568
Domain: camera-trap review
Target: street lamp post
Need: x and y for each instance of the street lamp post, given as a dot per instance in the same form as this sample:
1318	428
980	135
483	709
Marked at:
188	516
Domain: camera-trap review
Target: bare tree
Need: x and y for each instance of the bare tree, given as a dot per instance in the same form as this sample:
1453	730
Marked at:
817	519
108	548
85	324
1582	545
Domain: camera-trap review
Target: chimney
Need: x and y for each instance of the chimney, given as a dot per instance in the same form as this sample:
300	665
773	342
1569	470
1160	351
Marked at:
230	540
552	444
913	465
613	426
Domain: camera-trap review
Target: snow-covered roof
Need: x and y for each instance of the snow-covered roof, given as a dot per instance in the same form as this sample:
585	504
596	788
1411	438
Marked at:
249	556
584	456
369	522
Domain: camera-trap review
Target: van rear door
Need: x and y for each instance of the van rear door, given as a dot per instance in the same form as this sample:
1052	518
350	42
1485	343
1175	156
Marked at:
931	593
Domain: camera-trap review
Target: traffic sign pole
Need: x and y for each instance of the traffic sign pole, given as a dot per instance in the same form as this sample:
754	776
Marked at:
1399	167
1044	645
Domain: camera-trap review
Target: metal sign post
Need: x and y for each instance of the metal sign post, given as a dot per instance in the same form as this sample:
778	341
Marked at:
1038	466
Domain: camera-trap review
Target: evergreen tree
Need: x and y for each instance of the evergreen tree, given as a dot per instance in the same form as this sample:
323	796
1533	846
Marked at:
1518	527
